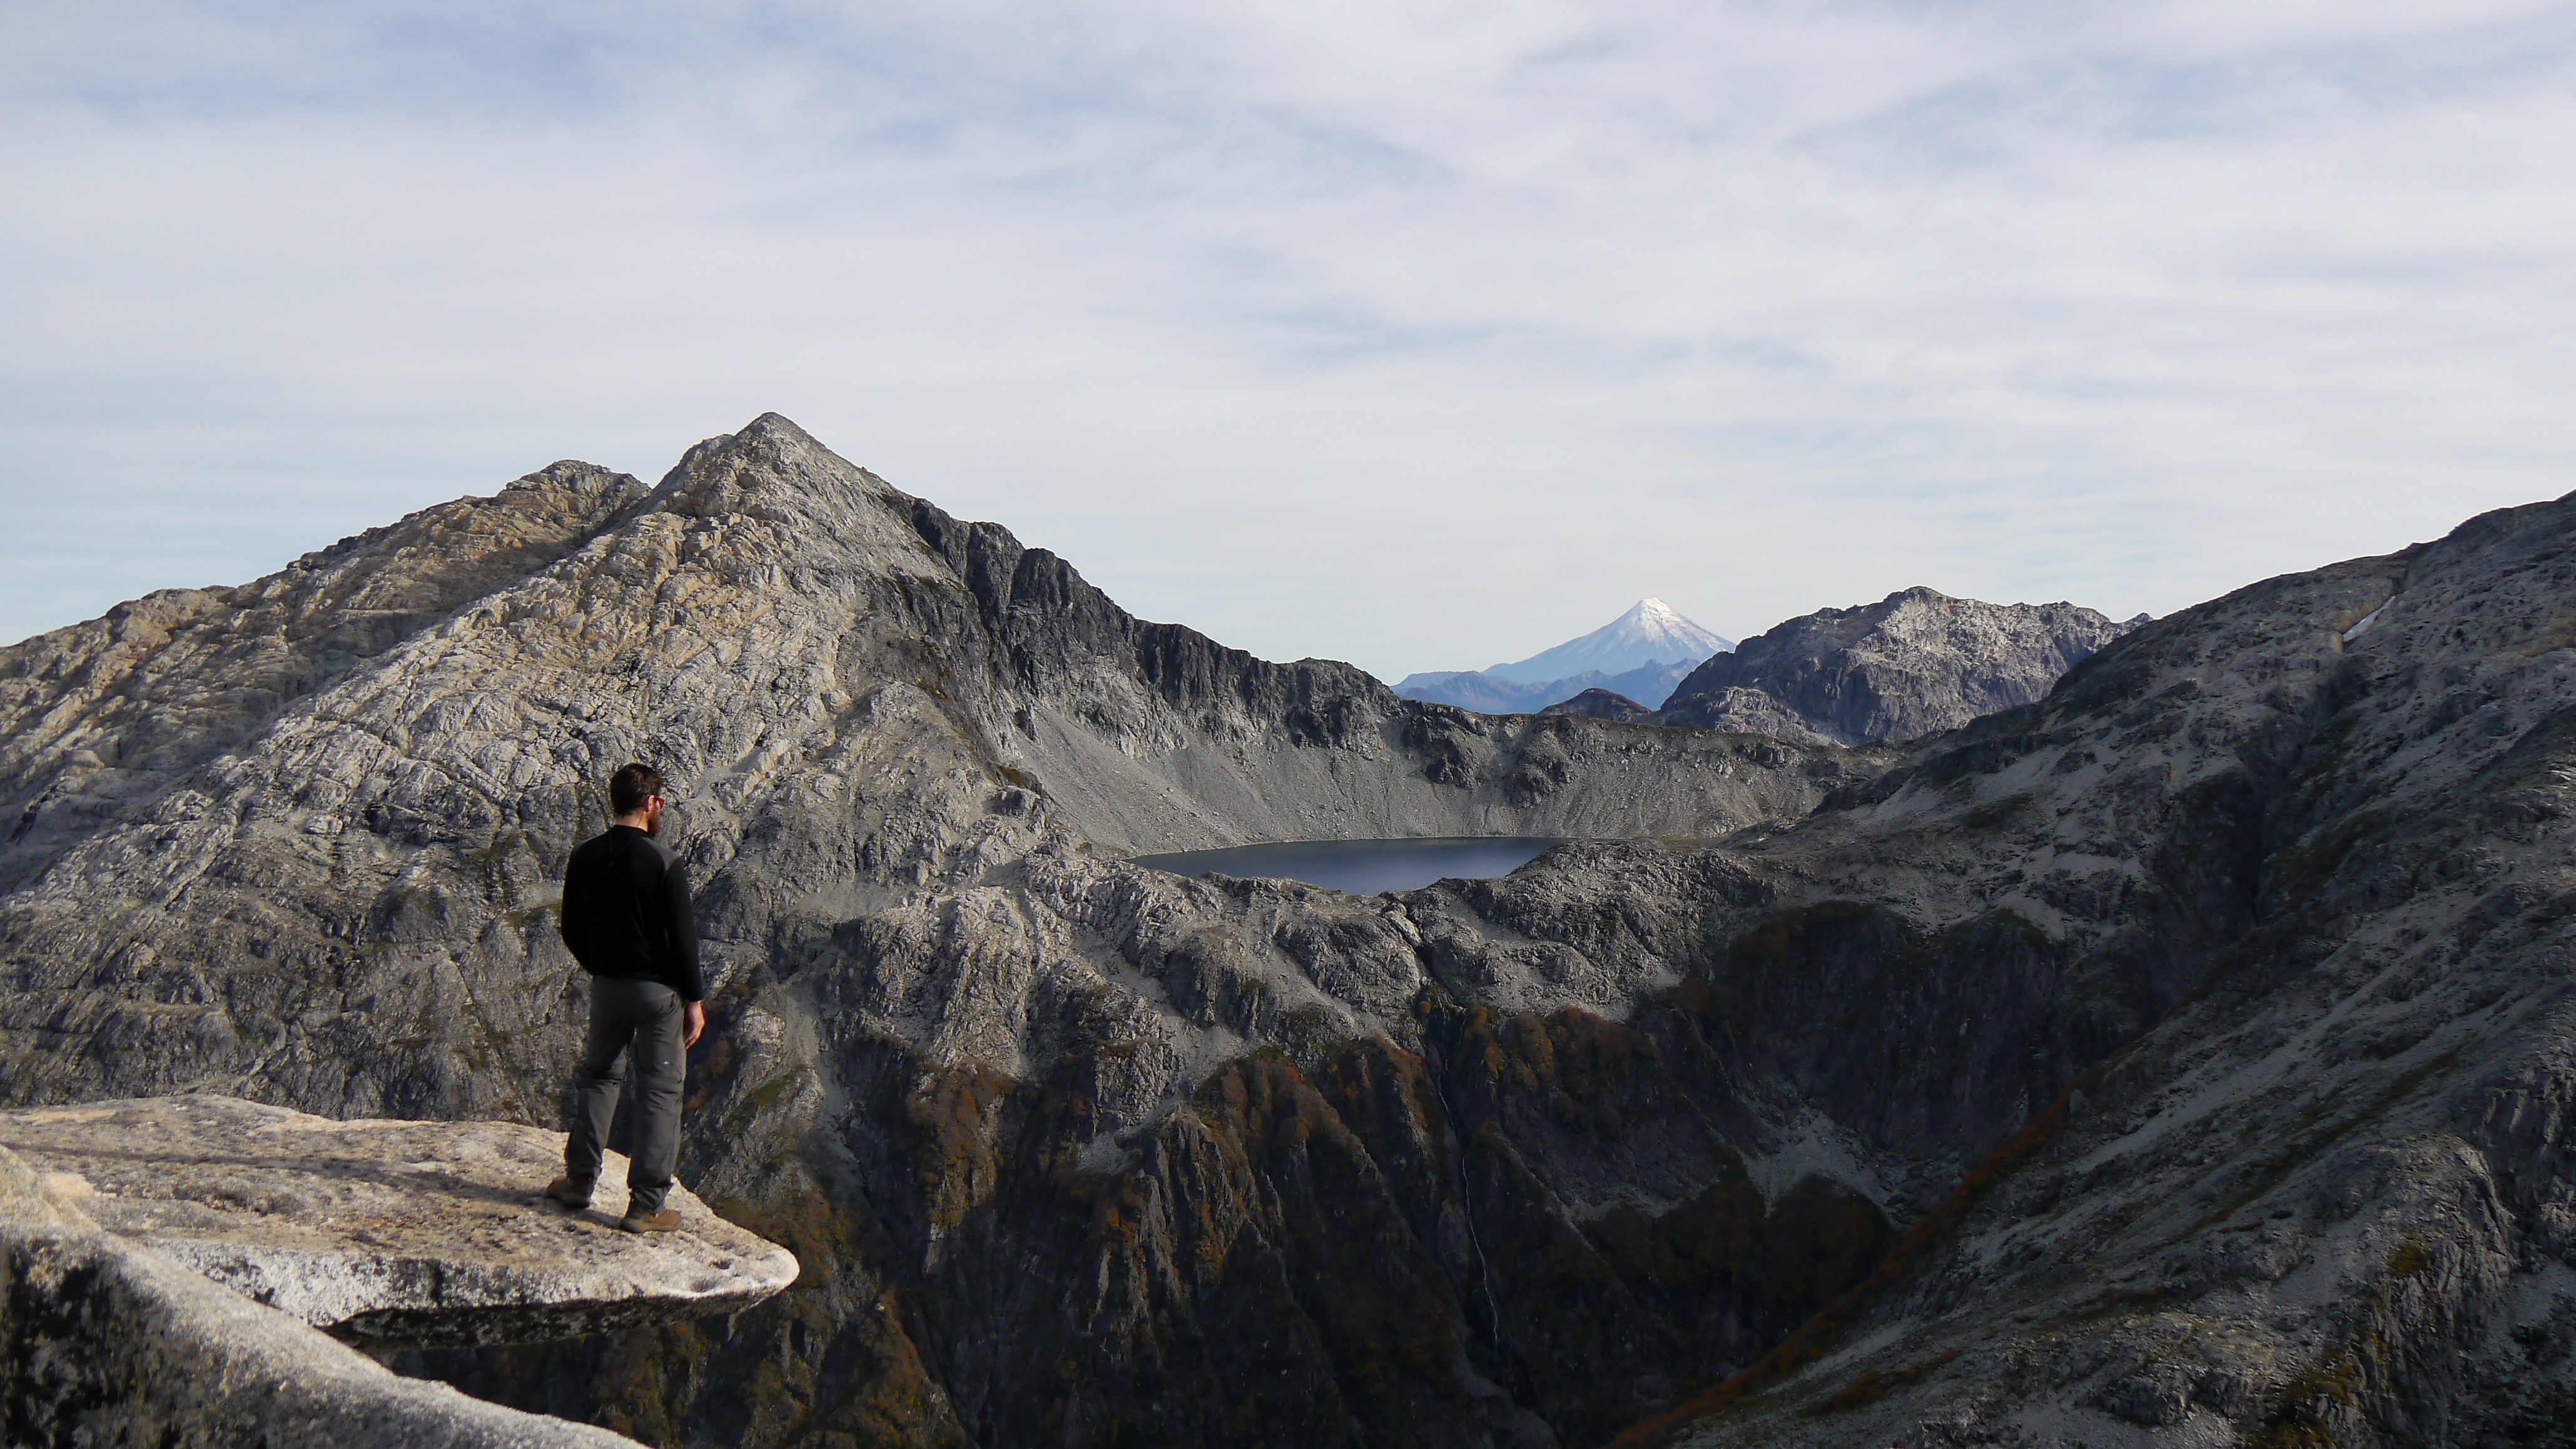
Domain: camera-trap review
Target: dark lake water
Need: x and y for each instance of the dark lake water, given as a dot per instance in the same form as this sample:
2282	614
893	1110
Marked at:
1363	867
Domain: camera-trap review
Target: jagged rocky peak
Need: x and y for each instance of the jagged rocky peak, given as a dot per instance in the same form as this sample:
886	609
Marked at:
573	478
1916	663
778	473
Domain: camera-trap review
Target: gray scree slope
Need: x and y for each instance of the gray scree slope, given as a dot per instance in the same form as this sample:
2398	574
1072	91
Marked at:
1073	1153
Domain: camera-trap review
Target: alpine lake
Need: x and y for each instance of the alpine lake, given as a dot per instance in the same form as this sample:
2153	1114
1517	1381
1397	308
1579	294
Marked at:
1364	867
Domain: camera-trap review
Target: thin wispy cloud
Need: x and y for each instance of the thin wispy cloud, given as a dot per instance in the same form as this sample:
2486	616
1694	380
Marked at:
1422	336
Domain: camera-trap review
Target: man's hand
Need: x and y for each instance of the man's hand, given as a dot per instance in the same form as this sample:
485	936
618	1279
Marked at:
694	1023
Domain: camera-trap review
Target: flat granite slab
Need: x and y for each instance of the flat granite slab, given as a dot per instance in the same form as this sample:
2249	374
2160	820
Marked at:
384	1233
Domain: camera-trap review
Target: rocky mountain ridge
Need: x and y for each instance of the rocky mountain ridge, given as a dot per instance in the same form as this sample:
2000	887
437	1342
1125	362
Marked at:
1073	1152
1916	663
1602	704
1486	694
2326	1196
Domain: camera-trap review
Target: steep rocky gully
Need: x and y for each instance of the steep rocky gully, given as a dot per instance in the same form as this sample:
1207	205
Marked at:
2185	1055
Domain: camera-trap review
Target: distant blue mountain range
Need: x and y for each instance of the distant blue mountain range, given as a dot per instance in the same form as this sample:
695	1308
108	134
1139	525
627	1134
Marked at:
1641	654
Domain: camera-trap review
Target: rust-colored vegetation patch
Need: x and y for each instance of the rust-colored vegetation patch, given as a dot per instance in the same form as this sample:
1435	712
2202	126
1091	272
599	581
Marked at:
953	1113
1578	1064
1294	1175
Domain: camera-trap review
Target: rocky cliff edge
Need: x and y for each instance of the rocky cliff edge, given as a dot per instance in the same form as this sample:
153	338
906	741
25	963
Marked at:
386	1233
105	1340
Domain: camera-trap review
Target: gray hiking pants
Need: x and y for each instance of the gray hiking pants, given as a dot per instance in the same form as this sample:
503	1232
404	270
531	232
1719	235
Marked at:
638	1021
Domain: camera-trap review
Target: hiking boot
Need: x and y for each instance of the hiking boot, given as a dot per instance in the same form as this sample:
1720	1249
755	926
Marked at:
563	1194
662	1222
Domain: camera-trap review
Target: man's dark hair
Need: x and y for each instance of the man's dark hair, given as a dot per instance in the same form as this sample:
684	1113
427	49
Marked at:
631	786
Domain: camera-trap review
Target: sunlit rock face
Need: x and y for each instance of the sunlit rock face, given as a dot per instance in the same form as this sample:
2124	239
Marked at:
1075	1152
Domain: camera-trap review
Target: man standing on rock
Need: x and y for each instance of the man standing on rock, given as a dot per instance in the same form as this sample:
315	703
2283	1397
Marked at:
627	918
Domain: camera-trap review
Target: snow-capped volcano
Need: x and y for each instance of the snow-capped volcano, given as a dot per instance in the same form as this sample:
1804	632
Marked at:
1651	633
1641	654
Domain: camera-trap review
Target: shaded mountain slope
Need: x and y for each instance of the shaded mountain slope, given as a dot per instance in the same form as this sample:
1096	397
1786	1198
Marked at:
1601	704
1915	663
2327	1198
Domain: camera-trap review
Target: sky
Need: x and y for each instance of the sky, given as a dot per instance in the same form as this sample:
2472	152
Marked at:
1421	335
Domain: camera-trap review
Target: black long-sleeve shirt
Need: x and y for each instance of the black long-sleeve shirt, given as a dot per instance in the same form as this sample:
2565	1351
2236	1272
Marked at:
626	911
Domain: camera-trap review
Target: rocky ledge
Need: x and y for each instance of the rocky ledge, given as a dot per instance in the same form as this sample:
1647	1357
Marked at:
386	1233
104	1342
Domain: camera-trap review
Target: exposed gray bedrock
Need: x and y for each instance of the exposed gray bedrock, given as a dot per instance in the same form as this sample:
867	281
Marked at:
2329	1194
